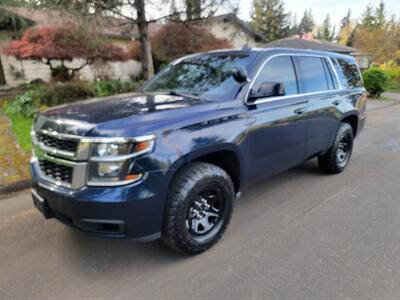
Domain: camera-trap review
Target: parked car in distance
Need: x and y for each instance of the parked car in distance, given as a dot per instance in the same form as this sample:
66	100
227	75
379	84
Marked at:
167	162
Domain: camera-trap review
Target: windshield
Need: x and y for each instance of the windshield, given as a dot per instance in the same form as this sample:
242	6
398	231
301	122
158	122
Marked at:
206	76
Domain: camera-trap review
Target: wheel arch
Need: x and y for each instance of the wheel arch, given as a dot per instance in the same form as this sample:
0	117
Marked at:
226	156
351	118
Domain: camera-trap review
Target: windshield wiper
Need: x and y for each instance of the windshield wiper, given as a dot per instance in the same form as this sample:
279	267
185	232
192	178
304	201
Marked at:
178	93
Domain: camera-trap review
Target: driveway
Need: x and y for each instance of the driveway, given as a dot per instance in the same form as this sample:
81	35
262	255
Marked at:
299	235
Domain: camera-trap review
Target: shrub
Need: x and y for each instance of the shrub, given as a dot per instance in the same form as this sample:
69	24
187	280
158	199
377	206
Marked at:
56	94
376	81
38	96
111	87
106	87
187	39
392	69
26	104
134	51
60	73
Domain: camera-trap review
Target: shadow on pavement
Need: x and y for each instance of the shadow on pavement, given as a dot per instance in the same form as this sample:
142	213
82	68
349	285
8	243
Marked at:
85	250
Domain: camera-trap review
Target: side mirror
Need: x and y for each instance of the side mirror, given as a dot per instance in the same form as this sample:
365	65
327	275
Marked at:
268	89
240	74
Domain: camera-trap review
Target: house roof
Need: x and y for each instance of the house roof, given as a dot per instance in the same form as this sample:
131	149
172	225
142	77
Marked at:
106	25
38	16
119	27
321	45
234	19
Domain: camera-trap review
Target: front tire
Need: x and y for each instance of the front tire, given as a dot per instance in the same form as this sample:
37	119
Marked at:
199	207
338	156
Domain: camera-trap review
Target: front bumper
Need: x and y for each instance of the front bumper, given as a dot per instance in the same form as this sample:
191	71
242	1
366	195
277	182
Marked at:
132	211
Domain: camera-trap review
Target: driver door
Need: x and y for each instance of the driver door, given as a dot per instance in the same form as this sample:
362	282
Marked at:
278	125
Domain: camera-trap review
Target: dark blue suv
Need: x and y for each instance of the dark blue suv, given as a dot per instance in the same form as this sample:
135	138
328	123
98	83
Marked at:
167	162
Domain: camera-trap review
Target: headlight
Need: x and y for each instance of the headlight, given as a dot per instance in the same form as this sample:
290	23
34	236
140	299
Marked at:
104	150
115	150
111	162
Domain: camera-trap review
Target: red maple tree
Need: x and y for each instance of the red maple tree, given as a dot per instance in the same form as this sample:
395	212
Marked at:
55	45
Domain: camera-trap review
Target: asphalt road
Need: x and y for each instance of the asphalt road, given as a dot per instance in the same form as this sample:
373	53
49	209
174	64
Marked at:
299	235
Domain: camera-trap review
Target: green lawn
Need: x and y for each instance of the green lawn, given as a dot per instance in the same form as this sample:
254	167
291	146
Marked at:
14	161
21	127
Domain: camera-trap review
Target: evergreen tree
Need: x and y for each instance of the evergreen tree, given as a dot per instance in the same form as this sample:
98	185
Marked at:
347	30
346	20
270	19
380	15
350	39
307	22
368	17
326	32
294	25
193	9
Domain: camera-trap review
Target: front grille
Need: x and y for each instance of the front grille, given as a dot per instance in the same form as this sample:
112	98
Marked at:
56	171
57	143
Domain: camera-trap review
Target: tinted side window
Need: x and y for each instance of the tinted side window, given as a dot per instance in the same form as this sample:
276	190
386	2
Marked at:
351	74
314	75
332	82
339	71
279	70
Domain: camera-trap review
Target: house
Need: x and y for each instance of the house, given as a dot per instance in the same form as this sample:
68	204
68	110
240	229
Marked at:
228	27
320	45
236	31
118	31
14	72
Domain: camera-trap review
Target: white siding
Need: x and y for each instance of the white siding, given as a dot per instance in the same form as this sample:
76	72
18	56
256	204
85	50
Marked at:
18	72
232	32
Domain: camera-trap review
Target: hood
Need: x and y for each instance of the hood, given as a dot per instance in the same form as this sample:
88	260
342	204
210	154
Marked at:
115	114
99	110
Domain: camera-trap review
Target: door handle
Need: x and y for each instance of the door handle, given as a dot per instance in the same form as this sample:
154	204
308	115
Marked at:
300	111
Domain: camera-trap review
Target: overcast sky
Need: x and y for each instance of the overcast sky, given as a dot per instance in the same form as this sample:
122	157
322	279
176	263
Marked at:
320	8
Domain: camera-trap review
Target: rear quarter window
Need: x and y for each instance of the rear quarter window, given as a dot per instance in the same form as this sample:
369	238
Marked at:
315	74
348	73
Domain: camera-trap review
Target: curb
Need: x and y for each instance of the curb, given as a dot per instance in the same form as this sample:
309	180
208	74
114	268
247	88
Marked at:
14	187
383	105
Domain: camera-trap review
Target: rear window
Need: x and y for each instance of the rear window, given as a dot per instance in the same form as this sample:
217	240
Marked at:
315	73
348	73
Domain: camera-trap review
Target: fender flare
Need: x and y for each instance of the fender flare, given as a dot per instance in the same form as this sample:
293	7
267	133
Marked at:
351	113
348	114
193	155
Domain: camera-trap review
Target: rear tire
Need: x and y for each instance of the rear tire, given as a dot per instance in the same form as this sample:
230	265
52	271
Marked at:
338	156
199	207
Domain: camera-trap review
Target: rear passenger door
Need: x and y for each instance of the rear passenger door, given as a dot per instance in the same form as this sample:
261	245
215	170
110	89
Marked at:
319	83
277	133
